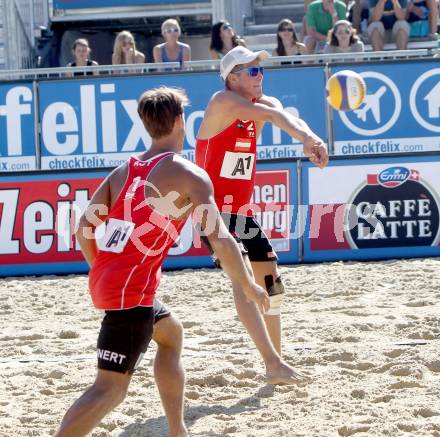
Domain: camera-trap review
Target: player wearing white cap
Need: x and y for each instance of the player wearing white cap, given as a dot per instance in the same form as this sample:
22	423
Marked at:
226	149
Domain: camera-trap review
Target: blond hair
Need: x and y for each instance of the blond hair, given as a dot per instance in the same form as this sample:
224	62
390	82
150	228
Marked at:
117	57
159	107
171	22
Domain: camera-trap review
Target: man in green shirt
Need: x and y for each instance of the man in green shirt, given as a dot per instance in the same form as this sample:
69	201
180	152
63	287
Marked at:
321	16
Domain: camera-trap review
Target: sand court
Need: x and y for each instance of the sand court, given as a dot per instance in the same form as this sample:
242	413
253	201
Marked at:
367	333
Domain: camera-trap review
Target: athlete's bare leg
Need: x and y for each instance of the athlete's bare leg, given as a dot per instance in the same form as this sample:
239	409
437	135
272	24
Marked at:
108	390
273	323
277	371
169	373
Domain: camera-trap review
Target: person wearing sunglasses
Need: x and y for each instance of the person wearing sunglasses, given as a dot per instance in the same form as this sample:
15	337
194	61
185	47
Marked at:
124	50
287	41
342	38
172	50
226	150
223	39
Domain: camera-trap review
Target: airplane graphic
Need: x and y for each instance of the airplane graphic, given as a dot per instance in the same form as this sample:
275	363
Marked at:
372	102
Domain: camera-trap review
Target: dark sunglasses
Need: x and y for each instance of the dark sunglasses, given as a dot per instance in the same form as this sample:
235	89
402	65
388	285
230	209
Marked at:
251	71
171	30
226	27
347	31
285	29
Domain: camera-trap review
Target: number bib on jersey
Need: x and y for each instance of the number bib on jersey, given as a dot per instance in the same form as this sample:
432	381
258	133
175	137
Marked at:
237	165
113	235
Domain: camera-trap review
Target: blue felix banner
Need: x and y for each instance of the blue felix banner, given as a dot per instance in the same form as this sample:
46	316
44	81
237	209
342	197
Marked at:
92	123
17	128
401	112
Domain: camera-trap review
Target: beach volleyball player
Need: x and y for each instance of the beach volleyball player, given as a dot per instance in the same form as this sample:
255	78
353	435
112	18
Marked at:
226	149
134	217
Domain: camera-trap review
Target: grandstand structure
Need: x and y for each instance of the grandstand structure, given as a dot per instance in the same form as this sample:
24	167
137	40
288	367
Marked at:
39	33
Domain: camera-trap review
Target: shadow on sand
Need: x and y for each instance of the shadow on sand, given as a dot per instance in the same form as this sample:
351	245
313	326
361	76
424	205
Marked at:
157	427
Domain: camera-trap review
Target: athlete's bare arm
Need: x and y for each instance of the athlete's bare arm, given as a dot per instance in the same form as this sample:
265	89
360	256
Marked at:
314	147
194	185
227	106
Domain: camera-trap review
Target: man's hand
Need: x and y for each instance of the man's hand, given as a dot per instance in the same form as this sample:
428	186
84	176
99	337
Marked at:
331	9
258	295
316	151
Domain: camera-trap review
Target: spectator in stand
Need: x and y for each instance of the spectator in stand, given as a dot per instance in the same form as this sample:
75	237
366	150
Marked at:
343	39
223	39
321	16
172	50
387	22
422	16
287	42
81	52
124	50
358	15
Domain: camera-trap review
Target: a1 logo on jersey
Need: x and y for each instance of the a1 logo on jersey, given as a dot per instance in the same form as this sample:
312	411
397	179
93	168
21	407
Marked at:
113	235
238	165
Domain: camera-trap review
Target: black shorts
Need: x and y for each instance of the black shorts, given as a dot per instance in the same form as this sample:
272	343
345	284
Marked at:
249	236
125	335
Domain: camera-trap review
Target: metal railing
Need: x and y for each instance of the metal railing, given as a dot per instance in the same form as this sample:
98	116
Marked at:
209	65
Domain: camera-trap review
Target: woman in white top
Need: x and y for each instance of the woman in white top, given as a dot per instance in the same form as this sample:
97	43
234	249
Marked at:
342	38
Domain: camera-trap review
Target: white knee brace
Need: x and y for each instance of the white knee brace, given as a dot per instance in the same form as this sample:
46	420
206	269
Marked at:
275	289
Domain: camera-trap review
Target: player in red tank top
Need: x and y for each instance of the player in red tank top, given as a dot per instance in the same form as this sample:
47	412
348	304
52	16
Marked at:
226	149
126	270
125	234
229	158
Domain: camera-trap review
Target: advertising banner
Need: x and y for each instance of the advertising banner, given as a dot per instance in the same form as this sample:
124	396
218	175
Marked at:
39	212
372	208
401	112
37	221
93	4
93	123
17	128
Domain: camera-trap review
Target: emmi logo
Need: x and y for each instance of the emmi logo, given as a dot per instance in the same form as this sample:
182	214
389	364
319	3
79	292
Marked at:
393	176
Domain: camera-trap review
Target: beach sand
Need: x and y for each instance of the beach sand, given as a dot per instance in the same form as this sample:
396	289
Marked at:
367	333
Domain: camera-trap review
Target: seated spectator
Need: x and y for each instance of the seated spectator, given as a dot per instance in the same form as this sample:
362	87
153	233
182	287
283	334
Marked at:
387	23
223	39
343	39
358	15
81	52
124	50
321	16
287	42
422	16
171	50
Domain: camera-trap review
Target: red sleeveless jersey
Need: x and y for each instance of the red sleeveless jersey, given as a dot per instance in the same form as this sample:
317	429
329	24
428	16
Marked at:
132	245
229	159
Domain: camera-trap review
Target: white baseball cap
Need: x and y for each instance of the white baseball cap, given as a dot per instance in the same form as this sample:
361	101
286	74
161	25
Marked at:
237	56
